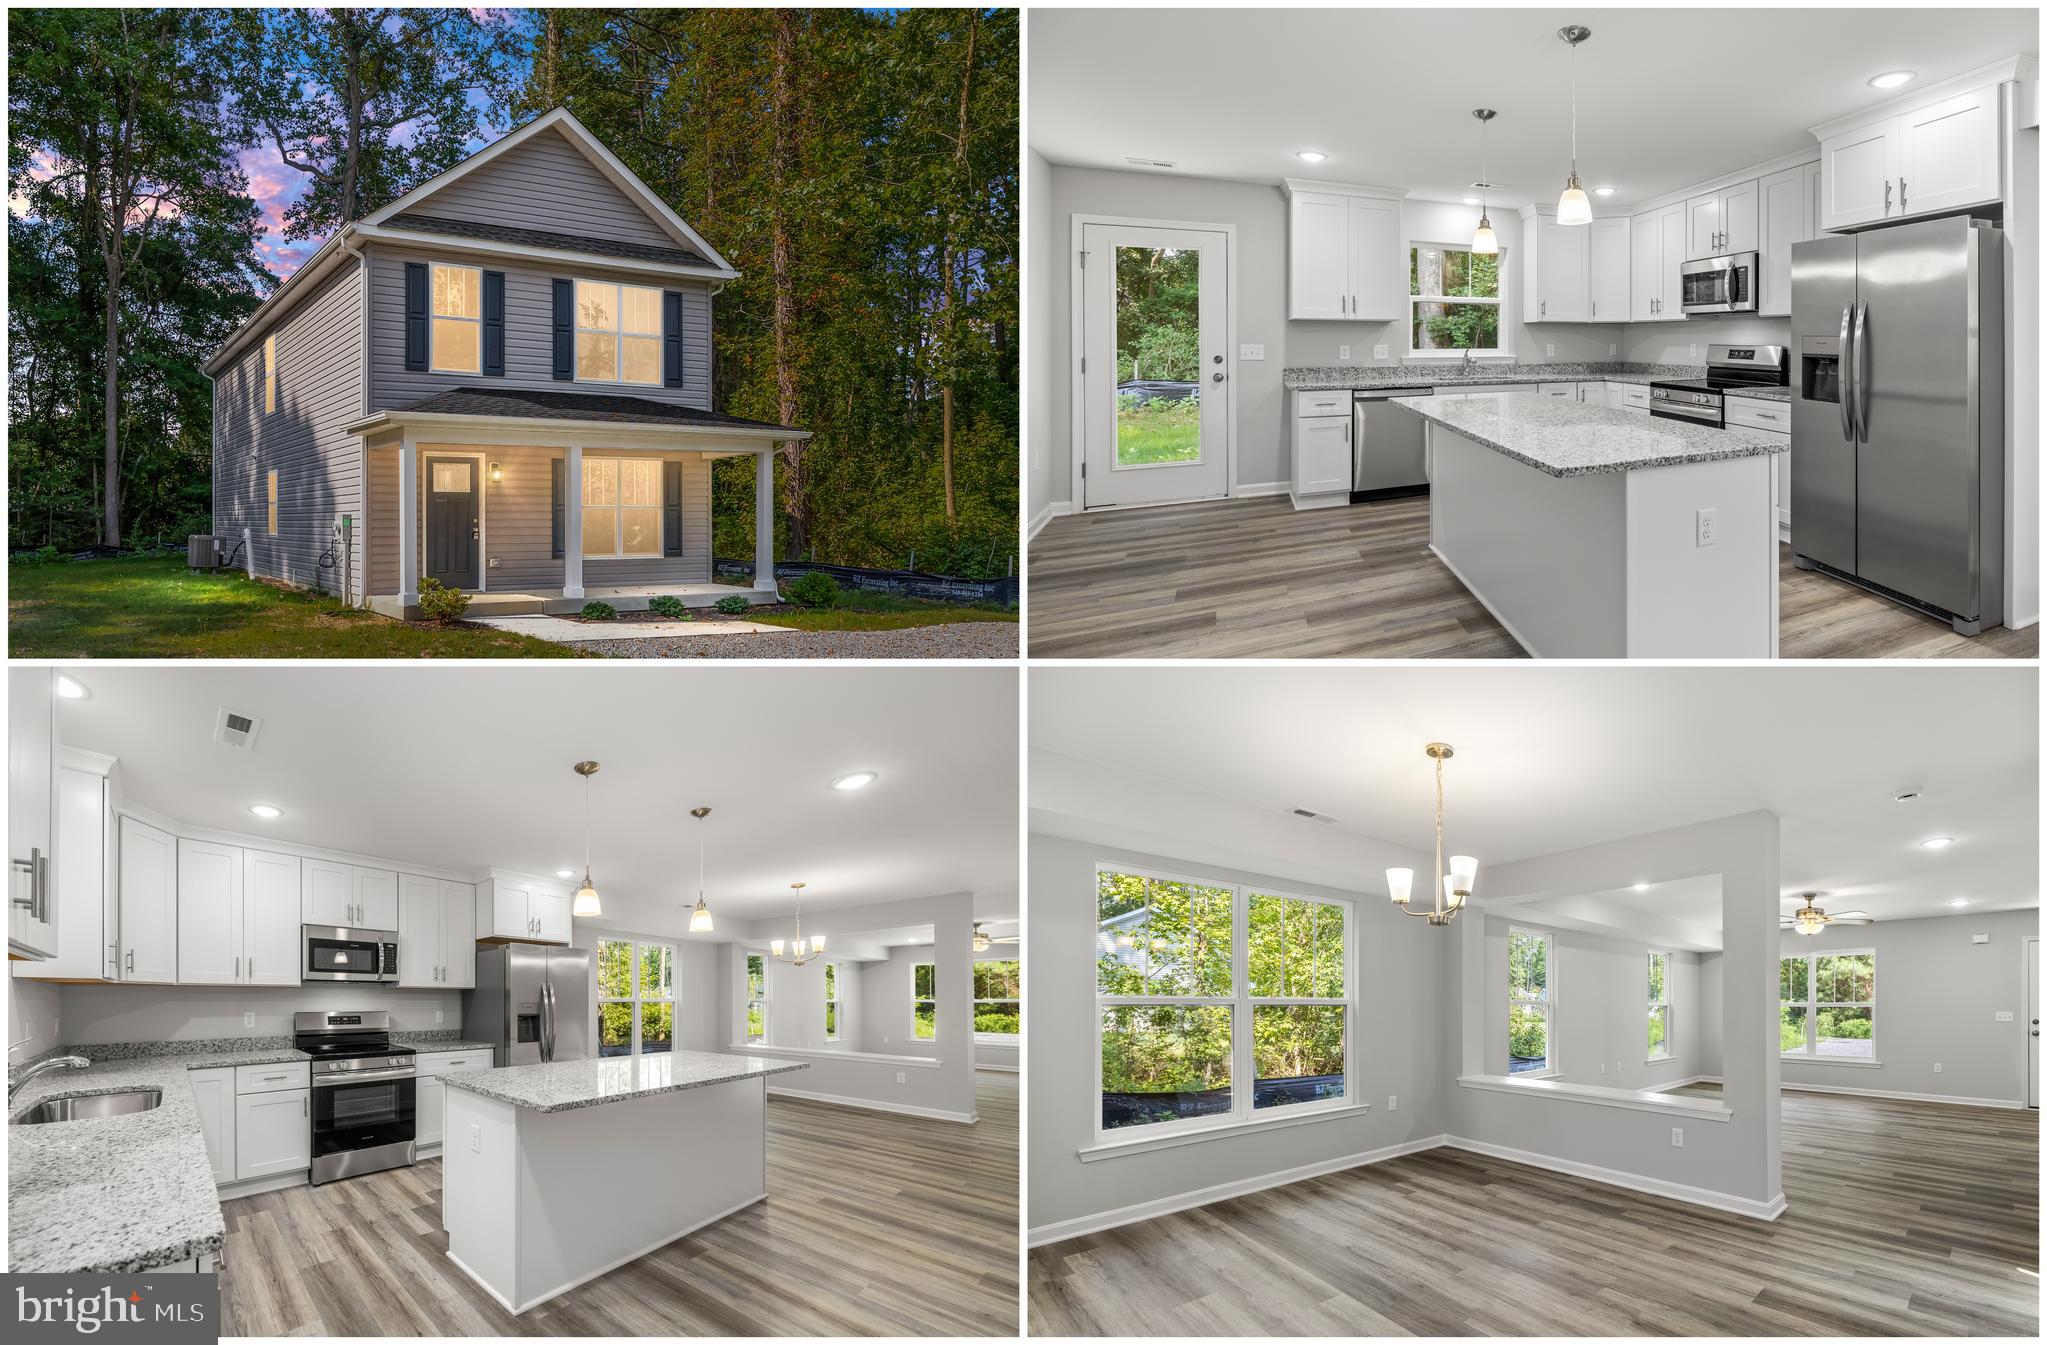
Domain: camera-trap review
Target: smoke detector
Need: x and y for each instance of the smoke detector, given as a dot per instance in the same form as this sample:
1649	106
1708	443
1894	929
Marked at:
1310	815
1151	163
231	728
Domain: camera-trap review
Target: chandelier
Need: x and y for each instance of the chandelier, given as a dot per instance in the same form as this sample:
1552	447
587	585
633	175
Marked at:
700	918
1452	888
801	950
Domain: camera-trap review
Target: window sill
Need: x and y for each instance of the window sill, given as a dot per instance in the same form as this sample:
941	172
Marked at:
1833	1060
815	1053
1658	1059
1632	1099
1258	1124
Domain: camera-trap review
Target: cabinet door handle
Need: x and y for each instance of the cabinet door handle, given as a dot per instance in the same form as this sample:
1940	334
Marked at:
1887	196
238	969
1901	196
131	961
302	1107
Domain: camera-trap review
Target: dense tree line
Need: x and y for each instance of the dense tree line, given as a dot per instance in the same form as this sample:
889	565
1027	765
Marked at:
859	169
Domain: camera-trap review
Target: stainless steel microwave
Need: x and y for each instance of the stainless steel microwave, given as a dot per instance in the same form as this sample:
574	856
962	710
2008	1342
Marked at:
1721	284
333	953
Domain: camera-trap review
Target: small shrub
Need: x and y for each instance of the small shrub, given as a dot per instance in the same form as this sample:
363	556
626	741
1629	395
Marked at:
599	611
813	590
667	604
42	555
732	604
440	604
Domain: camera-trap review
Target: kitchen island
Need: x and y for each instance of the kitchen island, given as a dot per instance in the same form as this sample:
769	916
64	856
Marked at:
1598	533
553	1174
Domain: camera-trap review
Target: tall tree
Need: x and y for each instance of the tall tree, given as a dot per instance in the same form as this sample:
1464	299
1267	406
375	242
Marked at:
369	103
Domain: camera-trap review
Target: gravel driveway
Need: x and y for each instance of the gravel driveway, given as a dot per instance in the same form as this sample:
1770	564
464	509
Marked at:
964	639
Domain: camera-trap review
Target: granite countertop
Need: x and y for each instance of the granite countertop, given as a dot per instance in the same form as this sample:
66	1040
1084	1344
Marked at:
119	1194
1567	438
566	1085
1452	374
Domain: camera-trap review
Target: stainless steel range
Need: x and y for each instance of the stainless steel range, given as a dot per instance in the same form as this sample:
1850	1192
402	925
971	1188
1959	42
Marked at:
365	1094
1728	369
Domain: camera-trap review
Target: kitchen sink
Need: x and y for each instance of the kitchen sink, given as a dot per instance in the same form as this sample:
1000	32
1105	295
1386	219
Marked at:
86	1108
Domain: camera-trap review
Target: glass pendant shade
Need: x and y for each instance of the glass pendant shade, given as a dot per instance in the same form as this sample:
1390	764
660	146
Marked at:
1574	206
1463	873
775	947
981	942
1400	885
1484	241
587	902
700	918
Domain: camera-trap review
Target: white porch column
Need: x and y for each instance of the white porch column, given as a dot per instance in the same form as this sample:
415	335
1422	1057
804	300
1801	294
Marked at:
408	519
572	524
764	522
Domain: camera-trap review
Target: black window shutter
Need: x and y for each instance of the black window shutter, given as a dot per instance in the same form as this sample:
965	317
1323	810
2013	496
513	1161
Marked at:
671	339
415	315
494	322
671	508
564	329
560	469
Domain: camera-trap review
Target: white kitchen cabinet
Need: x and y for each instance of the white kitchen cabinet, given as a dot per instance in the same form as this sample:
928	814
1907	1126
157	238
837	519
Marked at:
1721	222
209	913
85	890
419	928
458	935
431	1099
31	813
1755	413
1592	394
551	913
509	906
1567	392
269	928
429	1111
149	903
375	893
1949	155
1628	397
327	894
1607	248
213	1092
273	1133
1555	269
1345	254
1322	466
1858	172
1657	254
1789	214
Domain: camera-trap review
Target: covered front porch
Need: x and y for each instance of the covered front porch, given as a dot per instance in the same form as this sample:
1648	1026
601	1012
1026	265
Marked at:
538	502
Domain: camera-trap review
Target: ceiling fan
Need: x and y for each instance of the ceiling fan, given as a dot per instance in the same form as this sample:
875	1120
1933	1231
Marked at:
982	941
1810	919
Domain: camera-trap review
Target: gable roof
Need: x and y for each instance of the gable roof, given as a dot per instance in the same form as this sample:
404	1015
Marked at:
541	238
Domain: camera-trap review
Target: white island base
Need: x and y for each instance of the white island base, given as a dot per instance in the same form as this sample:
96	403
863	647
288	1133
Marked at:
1612	563
537	1202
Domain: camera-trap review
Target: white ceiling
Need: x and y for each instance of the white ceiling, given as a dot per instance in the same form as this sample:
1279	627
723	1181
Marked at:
1666	97
1551	759
468	768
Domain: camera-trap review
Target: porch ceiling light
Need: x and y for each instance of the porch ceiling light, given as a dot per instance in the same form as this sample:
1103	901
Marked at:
700	918
1450	890
586	901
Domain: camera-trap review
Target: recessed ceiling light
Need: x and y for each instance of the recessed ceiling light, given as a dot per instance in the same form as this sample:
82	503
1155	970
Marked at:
564	873
857	780
1469	200
1959	901
1604	191
266	811
1310	155
1938	842
70	690
1641	887
1891	80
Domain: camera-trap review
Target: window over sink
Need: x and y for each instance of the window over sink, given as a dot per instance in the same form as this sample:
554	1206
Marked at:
1453	300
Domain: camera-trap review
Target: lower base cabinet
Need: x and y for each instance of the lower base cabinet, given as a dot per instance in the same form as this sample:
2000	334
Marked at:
429	1113
213	1090
273	1133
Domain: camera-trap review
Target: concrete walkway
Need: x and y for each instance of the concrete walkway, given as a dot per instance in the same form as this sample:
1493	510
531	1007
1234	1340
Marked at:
587	632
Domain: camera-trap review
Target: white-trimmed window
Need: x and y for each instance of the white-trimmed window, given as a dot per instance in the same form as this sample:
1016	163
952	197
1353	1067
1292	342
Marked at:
1203	988
618	333
924	1006
1453	300
998	998
269	374
756	997
635	997
1659	1006
457	319
1531	995
1826	1006
621	507
833	1023
270	503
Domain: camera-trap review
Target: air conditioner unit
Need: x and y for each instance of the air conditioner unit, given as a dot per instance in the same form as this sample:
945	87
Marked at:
202	551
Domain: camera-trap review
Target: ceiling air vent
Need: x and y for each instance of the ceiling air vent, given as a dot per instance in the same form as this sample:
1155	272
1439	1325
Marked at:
1152	163
1309	814
234	729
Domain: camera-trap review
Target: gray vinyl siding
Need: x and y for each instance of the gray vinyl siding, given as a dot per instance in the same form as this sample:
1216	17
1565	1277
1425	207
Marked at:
546	183
529	329
319	391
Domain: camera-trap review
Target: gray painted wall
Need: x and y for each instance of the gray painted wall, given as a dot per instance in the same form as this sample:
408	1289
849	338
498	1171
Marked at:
548	184
1711	1003
1398	1052
96	1013
886	987
1039	371
697	1021
33	1019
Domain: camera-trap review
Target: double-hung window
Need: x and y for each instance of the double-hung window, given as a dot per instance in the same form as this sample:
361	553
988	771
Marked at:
1659	1006
998	998
832	1021
635	997
1531	995
756	997
1453	300
457	324
1203	987
618	333
1826	1006
924	1009
621	507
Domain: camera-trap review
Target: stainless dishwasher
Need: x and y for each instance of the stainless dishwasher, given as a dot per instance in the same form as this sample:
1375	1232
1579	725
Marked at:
1386	457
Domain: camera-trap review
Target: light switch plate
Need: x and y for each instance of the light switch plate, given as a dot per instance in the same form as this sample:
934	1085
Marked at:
902	1077
1379	353
1343	354
1251	352
1677	1137
2004	1015
1936	1067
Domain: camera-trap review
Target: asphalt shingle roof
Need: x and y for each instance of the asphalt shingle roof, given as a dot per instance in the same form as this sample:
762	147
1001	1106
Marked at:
541	238
546	404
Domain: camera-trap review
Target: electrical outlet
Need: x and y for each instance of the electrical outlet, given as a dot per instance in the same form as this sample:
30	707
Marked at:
2004	1015
494	562
248	1020
884	1041
1612	349
475	1139
1343	354
1708	520
1677	1137
1695	350
1936	1067
1251	352
439	1016
1379	352
1393	1102
902	1077
1549	350
1602	1069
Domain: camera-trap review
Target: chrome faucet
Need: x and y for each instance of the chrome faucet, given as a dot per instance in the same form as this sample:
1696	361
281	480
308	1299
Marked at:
1468	361
41	1066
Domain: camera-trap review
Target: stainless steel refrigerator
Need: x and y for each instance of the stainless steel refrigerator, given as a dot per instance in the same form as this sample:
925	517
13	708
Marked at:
532	1004
1897	416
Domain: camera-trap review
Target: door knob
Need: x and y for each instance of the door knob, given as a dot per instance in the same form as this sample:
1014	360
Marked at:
1218	378
1218	359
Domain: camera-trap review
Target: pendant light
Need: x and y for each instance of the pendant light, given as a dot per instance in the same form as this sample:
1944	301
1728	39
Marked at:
700	918
1450	889
586	902
1574	207
1483	241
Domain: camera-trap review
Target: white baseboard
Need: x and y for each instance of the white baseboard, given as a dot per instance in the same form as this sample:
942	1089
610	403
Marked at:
1691	1195
1005	1069
1056	509
2002	1104
1245	490
1679	1083
1208	1195
871	1104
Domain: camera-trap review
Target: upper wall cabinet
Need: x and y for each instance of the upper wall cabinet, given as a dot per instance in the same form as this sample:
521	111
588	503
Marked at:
1658	247
1721	222
31	813
1345	256
1789	214
1556	263
512	907
1943	153
1608	249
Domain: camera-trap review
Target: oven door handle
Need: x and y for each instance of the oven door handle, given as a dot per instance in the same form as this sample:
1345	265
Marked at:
342	1077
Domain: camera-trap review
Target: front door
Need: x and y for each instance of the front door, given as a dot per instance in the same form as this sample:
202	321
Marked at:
1154	388
453	521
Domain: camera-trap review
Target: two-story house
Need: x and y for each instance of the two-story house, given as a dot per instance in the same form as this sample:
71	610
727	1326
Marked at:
501	381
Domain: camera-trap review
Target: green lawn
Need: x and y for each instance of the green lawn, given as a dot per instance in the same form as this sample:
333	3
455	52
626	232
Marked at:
860	610
1159	431
156	608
